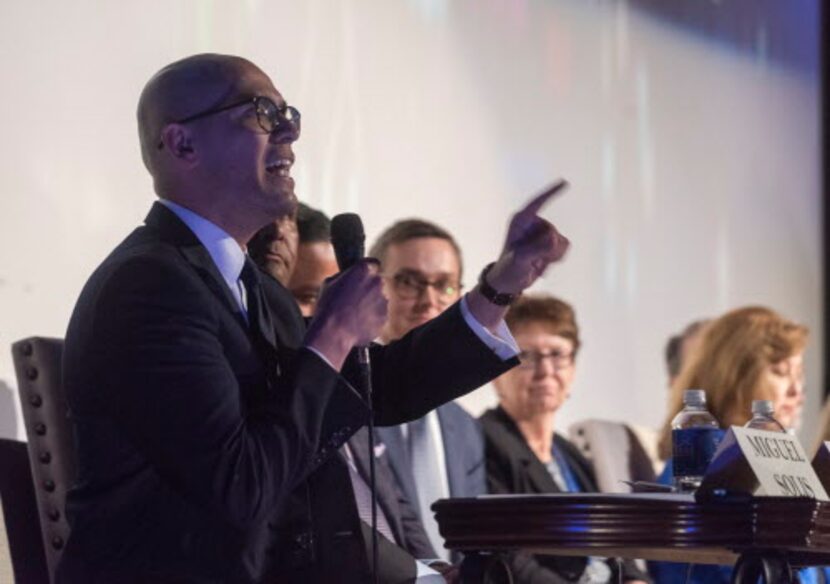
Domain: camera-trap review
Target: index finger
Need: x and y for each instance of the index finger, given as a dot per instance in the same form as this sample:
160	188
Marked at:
533	207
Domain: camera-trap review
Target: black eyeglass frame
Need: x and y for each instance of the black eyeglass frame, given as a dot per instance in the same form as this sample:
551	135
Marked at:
280	117
532	359
421	285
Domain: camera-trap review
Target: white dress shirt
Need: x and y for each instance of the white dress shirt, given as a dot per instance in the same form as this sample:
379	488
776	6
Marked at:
224	250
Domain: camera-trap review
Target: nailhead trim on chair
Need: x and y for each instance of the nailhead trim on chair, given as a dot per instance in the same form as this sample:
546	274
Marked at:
37	363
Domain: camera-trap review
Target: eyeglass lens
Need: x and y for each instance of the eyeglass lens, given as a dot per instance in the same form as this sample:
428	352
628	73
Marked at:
534	358
409	286
271	117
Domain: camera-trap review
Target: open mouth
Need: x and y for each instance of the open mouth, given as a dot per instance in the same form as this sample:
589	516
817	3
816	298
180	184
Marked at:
280	167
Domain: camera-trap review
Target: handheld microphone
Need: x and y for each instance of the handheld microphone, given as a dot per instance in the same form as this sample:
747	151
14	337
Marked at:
349	240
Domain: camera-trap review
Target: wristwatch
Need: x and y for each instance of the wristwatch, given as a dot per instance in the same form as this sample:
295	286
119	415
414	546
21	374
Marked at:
490	293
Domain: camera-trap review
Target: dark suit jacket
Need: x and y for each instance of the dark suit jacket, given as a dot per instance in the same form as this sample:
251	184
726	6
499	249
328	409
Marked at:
512	467
205	453
400	513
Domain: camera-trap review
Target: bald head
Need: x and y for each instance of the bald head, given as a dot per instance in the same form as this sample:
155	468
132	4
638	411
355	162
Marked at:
181	89
215	137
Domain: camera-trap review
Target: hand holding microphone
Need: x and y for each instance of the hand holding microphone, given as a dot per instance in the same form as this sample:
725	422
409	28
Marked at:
352	309
348	240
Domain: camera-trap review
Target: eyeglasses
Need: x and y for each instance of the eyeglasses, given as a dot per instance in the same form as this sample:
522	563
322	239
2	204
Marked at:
269	115
409	286
532	359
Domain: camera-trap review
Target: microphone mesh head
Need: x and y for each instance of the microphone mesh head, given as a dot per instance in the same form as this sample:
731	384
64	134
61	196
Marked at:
348	239
347	227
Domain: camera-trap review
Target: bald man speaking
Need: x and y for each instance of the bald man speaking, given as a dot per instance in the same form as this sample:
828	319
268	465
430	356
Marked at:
207	438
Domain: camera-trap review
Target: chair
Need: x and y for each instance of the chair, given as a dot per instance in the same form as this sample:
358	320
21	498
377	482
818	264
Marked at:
823	433
37	363
615	451
19	524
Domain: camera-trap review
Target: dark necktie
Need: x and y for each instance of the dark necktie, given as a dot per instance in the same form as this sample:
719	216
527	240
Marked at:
259	317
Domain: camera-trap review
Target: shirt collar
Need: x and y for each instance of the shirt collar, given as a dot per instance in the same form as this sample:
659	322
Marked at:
223	249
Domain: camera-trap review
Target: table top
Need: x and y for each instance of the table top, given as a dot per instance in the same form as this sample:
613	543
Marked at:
648	526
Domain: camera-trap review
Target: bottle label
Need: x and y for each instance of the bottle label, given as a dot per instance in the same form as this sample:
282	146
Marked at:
692	450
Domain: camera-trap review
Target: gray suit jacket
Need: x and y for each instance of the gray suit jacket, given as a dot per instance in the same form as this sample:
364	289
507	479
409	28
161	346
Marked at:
463	452
400	513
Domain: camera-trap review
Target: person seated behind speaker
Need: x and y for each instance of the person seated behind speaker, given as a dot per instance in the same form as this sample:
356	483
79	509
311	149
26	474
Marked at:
296	251
524	454
747	354
307	262
315	258
274	248
441	454
680	346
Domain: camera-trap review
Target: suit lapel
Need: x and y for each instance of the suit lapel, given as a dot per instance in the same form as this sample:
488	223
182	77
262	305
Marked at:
174	231
259	314
577	464
200	259
359	443
398	456
289	325
538	477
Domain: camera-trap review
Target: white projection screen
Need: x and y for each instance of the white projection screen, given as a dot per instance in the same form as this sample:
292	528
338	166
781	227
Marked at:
690	131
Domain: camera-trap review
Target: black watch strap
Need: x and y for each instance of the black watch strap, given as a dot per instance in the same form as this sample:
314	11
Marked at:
490	293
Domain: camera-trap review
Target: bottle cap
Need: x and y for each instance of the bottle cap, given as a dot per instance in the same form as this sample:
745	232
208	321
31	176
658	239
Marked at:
762	406
694	397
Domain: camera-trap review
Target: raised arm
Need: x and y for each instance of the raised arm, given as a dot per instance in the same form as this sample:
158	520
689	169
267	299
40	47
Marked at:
531	245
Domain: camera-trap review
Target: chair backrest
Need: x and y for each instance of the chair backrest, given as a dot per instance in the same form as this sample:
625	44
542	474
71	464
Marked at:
37	363
615	452
823	432
19	523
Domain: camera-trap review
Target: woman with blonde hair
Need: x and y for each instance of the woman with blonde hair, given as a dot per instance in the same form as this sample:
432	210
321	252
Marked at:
747	354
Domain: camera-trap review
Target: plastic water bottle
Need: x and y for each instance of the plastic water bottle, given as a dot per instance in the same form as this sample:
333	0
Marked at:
762	417
695	437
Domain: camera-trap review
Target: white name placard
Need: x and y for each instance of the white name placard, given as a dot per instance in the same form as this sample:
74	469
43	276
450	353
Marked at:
780	464
762	463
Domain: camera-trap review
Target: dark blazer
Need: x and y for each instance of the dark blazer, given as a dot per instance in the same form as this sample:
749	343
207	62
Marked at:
400	513
512	467
205	447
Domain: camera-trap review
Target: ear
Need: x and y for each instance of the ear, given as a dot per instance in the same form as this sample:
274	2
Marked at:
178	141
